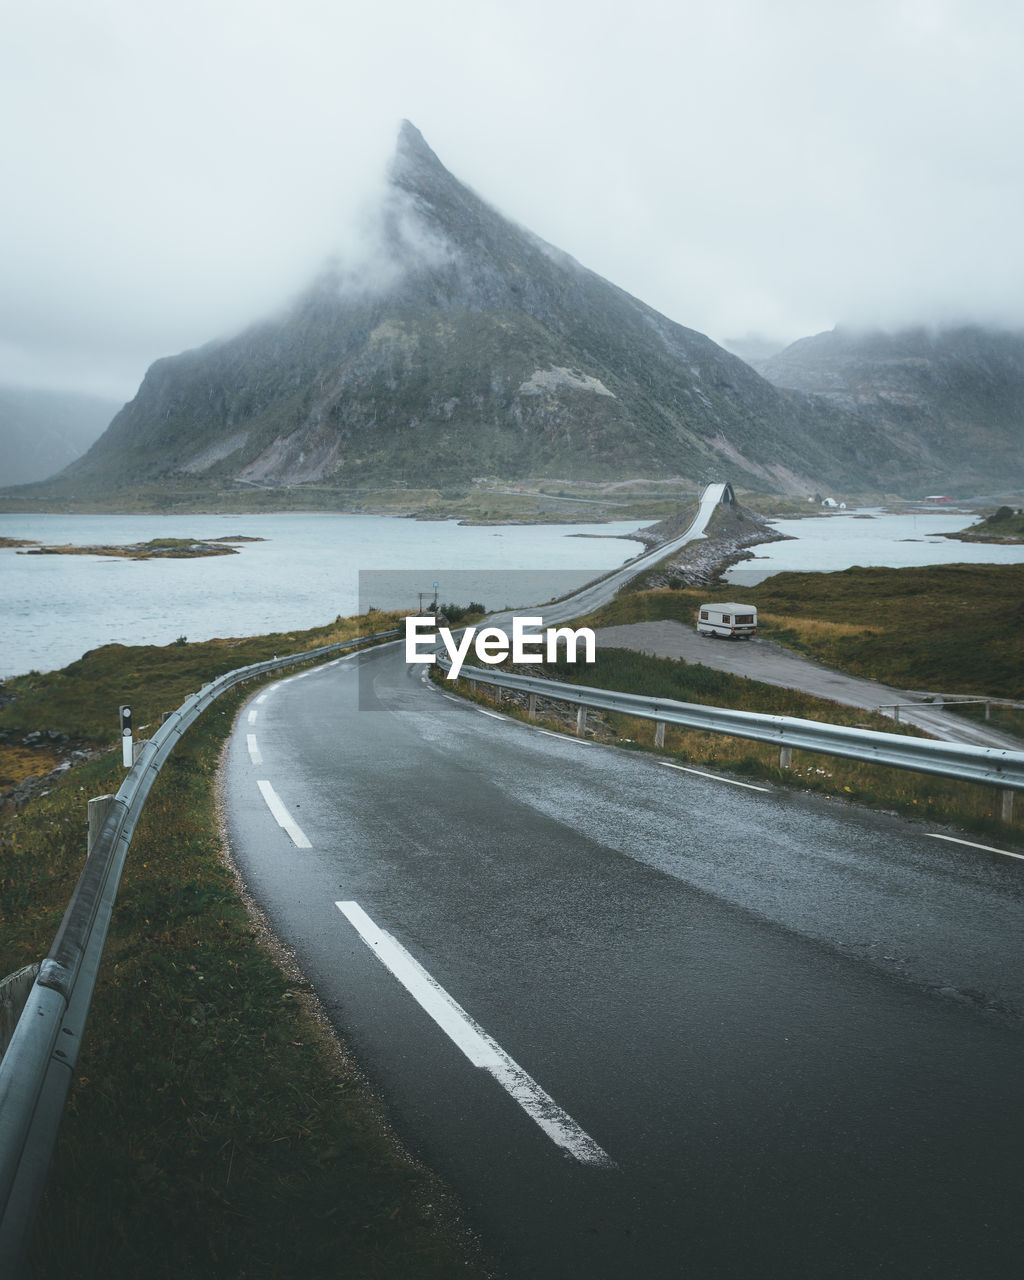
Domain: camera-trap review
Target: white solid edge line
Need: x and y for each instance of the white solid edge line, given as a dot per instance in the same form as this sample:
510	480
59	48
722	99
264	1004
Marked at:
481	1050
284	819
971	845
493	714
565	737
254	750
713	776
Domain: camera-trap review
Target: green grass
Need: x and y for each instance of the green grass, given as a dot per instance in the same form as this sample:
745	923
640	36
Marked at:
948	628
945	628
214	1128
82	699
1003	525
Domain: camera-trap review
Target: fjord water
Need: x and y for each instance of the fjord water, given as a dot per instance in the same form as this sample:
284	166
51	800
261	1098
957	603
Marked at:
304	574
869	537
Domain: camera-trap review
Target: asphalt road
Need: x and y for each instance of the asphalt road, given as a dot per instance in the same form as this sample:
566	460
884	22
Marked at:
761	660
645	1021
598	593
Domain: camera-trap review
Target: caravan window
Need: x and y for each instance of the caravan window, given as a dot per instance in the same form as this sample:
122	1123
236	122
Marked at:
726	617
704	615
744	617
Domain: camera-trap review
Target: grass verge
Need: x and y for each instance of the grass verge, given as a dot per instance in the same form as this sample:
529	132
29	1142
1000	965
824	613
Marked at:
214	1127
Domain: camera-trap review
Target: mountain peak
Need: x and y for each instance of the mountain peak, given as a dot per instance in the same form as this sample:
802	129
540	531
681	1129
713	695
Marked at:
466	347
413	159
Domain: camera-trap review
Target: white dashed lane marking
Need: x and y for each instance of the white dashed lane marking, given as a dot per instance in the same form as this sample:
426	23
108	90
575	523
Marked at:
474	1042
283	818
971	845
714	777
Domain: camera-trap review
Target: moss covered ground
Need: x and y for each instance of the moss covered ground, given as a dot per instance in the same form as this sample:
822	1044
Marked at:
215	1129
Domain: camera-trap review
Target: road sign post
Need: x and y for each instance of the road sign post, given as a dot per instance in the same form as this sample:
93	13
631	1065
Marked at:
126	737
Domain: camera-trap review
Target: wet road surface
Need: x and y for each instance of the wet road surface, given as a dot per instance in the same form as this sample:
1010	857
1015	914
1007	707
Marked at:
789	1030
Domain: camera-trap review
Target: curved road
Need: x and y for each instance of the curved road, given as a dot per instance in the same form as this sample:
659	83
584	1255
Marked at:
645	1021
599	593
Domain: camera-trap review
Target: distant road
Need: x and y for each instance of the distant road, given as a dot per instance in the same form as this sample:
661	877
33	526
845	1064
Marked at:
761	660
599	593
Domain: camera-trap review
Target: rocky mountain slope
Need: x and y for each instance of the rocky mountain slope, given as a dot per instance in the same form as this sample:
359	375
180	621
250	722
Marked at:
42	431
954	398
465	346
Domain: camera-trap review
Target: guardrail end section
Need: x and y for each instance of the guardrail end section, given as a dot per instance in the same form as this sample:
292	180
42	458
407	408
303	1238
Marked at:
99	808
14	991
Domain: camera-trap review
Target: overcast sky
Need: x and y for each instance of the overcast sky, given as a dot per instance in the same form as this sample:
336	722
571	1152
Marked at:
174	170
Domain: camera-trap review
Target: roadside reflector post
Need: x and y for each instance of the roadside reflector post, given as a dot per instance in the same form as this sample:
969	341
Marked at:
126	737
99	807
581	721
659	733
785	757
1007	806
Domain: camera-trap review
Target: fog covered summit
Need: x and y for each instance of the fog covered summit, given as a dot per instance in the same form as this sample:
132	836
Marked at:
457	345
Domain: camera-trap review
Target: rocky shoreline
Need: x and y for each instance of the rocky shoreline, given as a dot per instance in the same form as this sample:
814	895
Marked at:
156	549
703	562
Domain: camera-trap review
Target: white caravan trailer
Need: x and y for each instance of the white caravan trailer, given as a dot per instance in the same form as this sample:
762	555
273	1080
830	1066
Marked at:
734	621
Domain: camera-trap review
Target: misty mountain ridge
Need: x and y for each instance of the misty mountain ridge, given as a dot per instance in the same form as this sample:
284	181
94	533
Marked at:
462	345
42	431
954	396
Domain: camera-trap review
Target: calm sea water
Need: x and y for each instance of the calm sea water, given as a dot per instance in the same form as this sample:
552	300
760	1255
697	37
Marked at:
307	571
304	574
869	537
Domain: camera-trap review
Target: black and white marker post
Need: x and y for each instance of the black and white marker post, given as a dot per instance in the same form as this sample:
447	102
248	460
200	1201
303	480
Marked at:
126	737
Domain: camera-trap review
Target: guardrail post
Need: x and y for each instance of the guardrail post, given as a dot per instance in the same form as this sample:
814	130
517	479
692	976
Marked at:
531	706
14	991
896	713
659	733
98	810
785	757
988	708
581	721
1007	805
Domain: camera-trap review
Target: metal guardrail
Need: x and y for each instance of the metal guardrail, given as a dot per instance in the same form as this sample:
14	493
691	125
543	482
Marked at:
36	1070
941	701
989	765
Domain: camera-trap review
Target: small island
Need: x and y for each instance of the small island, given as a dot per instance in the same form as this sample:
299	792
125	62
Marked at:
1004	525
155	549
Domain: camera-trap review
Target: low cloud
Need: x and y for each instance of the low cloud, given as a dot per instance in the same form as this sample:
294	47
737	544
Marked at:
177	171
